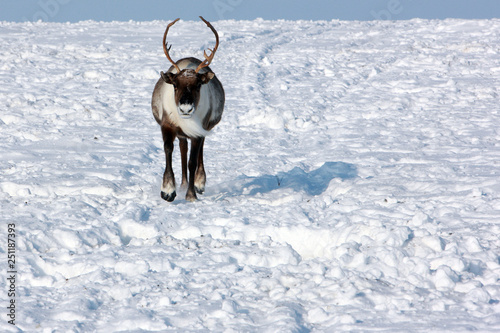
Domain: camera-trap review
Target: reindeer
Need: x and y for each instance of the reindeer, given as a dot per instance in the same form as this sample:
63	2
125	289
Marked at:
188	101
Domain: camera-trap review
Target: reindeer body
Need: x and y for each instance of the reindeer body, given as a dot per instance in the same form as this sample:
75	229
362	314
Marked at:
209	110
187	102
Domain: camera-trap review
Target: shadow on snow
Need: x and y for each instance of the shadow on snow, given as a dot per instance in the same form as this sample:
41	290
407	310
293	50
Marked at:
313	183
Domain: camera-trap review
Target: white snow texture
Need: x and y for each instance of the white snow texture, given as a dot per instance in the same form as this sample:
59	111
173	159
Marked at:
353	183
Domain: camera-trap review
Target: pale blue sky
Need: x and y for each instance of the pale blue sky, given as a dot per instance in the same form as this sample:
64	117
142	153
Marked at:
146	10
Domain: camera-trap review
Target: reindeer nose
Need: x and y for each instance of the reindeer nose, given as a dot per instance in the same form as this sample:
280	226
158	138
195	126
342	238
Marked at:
186	109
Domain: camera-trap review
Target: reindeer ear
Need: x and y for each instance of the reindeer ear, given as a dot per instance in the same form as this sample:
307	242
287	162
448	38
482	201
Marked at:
168	77
206	77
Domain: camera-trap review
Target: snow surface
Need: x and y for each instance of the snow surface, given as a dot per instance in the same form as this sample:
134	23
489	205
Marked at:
353	183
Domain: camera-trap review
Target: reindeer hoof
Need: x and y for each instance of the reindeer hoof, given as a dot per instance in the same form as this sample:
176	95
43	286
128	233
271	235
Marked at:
168	196
191	197
199	190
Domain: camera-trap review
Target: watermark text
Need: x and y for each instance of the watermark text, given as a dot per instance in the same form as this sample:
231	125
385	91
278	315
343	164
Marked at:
48	9
392	9
11	273
222	7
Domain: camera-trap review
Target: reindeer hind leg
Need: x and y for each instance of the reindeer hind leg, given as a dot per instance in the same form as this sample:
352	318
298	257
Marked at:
196	144
183	145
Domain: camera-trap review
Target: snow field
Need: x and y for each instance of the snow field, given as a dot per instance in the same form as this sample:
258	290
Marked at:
352	185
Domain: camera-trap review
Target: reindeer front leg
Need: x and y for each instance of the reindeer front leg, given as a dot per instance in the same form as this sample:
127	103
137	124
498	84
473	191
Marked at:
168	185
196	144
200	176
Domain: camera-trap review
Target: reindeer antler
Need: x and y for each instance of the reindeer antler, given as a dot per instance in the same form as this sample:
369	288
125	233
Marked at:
165	49
208	59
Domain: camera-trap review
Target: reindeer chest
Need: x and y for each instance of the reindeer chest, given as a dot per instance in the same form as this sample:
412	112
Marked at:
191	126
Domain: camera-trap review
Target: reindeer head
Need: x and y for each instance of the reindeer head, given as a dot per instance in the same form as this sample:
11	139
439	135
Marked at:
187	82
